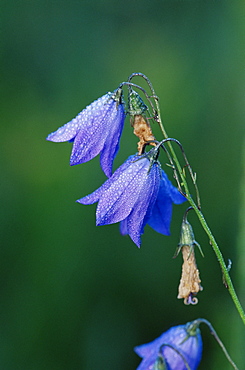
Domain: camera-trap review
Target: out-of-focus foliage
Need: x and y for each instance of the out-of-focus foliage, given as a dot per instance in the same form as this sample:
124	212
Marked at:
74	296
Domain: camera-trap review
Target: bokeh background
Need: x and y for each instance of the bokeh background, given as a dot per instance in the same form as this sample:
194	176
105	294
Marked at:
76	296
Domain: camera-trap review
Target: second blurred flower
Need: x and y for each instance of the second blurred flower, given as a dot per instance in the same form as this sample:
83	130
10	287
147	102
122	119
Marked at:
179	348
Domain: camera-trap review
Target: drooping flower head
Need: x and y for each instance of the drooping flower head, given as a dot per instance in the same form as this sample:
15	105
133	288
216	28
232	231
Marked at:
138	193
95	130
177	347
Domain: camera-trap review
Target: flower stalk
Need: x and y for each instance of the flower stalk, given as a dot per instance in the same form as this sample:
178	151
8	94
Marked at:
196	206
213	332
206	228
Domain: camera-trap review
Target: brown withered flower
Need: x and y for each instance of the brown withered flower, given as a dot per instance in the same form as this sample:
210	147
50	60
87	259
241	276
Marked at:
143	131
190	282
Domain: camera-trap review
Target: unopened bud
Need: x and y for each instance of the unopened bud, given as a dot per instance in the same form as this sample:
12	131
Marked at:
135	103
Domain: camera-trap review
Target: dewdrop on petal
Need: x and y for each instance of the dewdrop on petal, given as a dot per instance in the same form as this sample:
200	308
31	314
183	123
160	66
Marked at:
190	280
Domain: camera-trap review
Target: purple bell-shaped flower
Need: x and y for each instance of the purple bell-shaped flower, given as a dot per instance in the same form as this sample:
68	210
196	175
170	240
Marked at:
95	130
175	349
137	193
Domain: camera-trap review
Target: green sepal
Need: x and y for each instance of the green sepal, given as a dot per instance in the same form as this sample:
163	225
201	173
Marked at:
187	238
135	103
117	95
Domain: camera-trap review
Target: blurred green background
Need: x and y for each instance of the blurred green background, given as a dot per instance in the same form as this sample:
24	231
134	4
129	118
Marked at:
76	296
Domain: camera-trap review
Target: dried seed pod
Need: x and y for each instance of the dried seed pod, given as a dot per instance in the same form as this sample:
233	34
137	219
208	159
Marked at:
143	131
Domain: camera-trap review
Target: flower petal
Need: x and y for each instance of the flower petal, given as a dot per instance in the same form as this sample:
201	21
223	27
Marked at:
190	348
66	132
111	144
176	196
174	345
94	197
90	140
118	200
147	364
162	213
70	130
135	222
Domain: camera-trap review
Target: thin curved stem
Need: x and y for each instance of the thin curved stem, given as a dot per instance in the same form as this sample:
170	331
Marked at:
145	77
196	207
217	251
213	332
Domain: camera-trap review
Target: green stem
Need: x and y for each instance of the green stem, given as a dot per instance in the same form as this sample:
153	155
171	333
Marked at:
213	332
221	261
204	224
225	270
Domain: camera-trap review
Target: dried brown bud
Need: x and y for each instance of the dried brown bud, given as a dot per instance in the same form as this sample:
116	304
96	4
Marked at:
143	131
190	280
